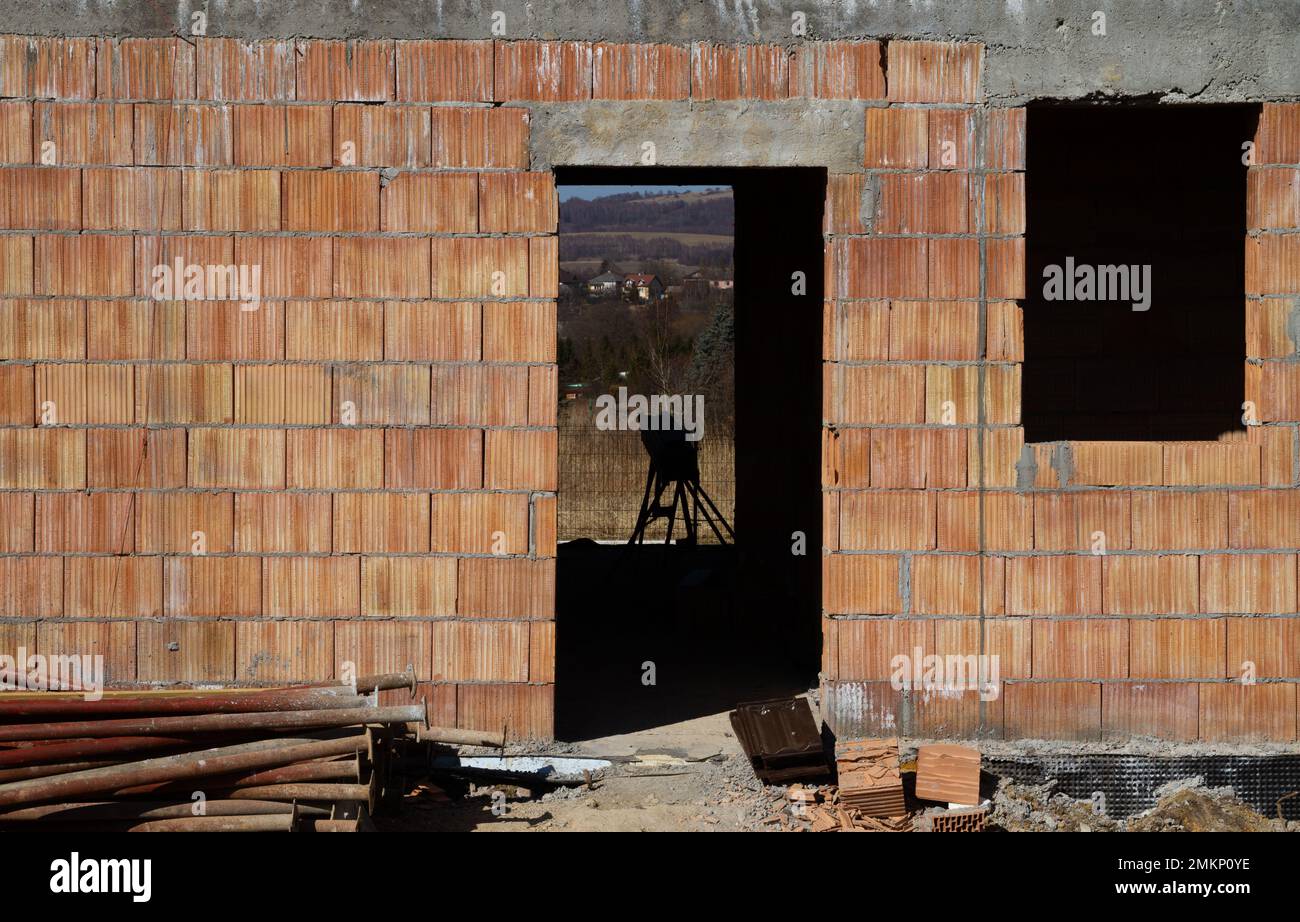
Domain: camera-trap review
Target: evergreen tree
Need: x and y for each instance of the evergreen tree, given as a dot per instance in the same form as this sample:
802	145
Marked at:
714	356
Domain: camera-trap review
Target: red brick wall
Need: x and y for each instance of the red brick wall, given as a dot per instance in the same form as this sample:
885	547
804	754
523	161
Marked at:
370	455
950	535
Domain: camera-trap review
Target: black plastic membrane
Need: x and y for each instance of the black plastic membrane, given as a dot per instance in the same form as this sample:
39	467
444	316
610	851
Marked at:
1129	782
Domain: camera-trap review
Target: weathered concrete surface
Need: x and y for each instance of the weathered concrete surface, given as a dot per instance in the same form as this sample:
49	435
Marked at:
796	132
1203	49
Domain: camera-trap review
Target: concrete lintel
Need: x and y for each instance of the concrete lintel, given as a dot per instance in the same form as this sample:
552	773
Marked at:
1189	49
795	132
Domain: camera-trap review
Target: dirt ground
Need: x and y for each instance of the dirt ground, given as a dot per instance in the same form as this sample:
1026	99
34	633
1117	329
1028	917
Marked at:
693	777
686	777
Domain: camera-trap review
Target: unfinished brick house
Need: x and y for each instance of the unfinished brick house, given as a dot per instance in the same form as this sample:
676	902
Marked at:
362	469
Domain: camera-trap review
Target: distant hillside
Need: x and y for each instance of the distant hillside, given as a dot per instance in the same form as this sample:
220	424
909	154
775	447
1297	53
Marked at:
691	228
710	213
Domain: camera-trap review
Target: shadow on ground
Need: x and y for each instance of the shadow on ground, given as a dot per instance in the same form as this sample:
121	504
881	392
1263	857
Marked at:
674	614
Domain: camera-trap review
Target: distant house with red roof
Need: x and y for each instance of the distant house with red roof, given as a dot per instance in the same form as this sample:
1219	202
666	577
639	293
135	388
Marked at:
642	288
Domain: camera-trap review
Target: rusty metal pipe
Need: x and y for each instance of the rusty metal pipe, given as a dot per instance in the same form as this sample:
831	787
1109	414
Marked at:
323	825
287	791
277	822
44	771
150	810
224	703
94	749
210	723
327	687
385	681
114	750
348	770
458	737
357	793
160	691
205	763
127	748
345	771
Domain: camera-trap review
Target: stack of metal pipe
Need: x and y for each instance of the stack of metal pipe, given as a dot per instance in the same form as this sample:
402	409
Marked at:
314	758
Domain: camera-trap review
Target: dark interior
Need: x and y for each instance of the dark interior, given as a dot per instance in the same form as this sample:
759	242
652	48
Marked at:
1162	186
721	624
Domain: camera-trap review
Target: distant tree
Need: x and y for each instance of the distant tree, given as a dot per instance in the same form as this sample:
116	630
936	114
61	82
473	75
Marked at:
668	273
714	348
566	356
713	214
669	346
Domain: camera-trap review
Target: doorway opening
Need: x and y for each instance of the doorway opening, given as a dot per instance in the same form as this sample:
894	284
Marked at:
1135	239
699	292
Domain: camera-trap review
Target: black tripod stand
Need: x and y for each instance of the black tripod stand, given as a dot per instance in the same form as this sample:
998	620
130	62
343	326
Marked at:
675	465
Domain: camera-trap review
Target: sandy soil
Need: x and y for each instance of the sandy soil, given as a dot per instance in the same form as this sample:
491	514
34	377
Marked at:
690	776
693	777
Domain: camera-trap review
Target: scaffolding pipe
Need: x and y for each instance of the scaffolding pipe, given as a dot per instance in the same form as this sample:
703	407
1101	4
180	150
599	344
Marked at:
205	763
99	811
215	703
209	723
